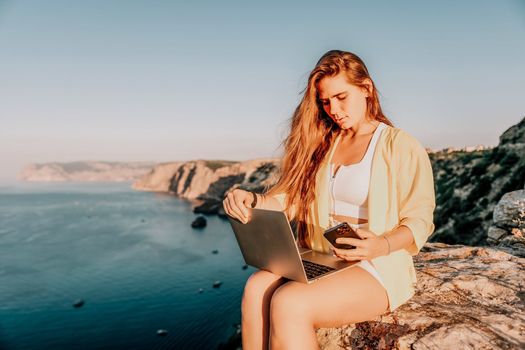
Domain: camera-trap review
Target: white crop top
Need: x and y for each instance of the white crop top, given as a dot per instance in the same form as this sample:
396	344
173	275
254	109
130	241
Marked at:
349	187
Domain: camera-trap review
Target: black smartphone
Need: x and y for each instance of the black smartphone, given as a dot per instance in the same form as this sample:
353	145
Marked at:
341	230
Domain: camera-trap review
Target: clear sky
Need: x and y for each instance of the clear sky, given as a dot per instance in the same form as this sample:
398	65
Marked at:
172	80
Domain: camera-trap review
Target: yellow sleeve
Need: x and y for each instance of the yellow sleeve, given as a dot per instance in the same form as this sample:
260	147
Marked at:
415	188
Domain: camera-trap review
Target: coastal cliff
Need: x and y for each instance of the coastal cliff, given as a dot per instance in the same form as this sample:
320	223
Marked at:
209	180
469	184
84	171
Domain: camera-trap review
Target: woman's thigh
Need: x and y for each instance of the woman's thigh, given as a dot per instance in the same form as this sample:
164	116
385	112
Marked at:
349	296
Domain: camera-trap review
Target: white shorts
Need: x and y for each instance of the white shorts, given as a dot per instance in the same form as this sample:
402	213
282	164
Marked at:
365	264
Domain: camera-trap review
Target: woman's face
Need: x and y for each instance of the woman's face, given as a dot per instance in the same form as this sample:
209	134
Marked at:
343	102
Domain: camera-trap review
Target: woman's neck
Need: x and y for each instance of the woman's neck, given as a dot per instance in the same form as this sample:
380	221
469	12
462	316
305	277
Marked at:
364	128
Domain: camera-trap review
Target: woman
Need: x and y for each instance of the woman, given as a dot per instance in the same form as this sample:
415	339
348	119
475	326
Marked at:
343	161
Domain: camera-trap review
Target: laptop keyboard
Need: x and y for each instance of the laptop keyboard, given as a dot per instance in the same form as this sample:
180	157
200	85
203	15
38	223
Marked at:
313	270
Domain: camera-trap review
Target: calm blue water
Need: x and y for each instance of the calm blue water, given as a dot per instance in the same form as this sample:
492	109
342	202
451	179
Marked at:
132	257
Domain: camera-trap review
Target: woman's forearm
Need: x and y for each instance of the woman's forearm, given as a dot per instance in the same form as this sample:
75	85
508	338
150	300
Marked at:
399	238
267	202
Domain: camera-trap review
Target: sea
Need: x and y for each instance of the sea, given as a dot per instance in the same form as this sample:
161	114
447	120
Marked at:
102	266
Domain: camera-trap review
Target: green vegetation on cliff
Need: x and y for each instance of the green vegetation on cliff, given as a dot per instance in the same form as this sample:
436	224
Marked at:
469	185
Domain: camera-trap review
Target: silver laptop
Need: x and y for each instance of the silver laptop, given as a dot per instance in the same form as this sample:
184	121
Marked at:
267	242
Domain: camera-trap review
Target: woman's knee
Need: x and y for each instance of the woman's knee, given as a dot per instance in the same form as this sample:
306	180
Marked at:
289	302
259	285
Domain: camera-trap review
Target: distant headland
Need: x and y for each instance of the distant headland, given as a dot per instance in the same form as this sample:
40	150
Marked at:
84	171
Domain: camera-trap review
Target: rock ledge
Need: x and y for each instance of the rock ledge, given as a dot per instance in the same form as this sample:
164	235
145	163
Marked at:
466	298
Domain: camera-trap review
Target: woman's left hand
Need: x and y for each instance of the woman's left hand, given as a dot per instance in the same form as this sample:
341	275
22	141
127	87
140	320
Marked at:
369	247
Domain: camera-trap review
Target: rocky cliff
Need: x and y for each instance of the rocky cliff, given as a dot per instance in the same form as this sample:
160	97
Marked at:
85	171
209	180
469	184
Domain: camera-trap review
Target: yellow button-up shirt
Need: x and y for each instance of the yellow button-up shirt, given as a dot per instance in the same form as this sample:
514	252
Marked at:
401	193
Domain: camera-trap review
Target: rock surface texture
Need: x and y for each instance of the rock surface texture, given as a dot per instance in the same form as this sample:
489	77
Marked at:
466	298
508	229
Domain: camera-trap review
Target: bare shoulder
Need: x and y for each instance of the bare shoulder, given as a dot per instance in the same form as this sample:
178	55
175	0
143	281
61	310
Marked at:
281	198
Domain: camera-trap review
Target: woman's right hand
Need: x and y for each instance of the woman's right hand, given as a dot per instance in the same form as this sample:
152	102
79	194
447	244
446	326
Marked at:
236	204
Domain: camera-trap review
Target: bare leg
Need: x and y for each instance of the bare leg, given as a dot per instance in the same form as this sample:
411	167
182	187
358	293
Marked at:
256	308
297	309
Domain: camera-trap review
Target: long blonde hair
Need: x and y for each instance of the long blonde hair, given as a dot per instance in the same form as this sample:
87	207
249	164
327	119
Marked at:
312	132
